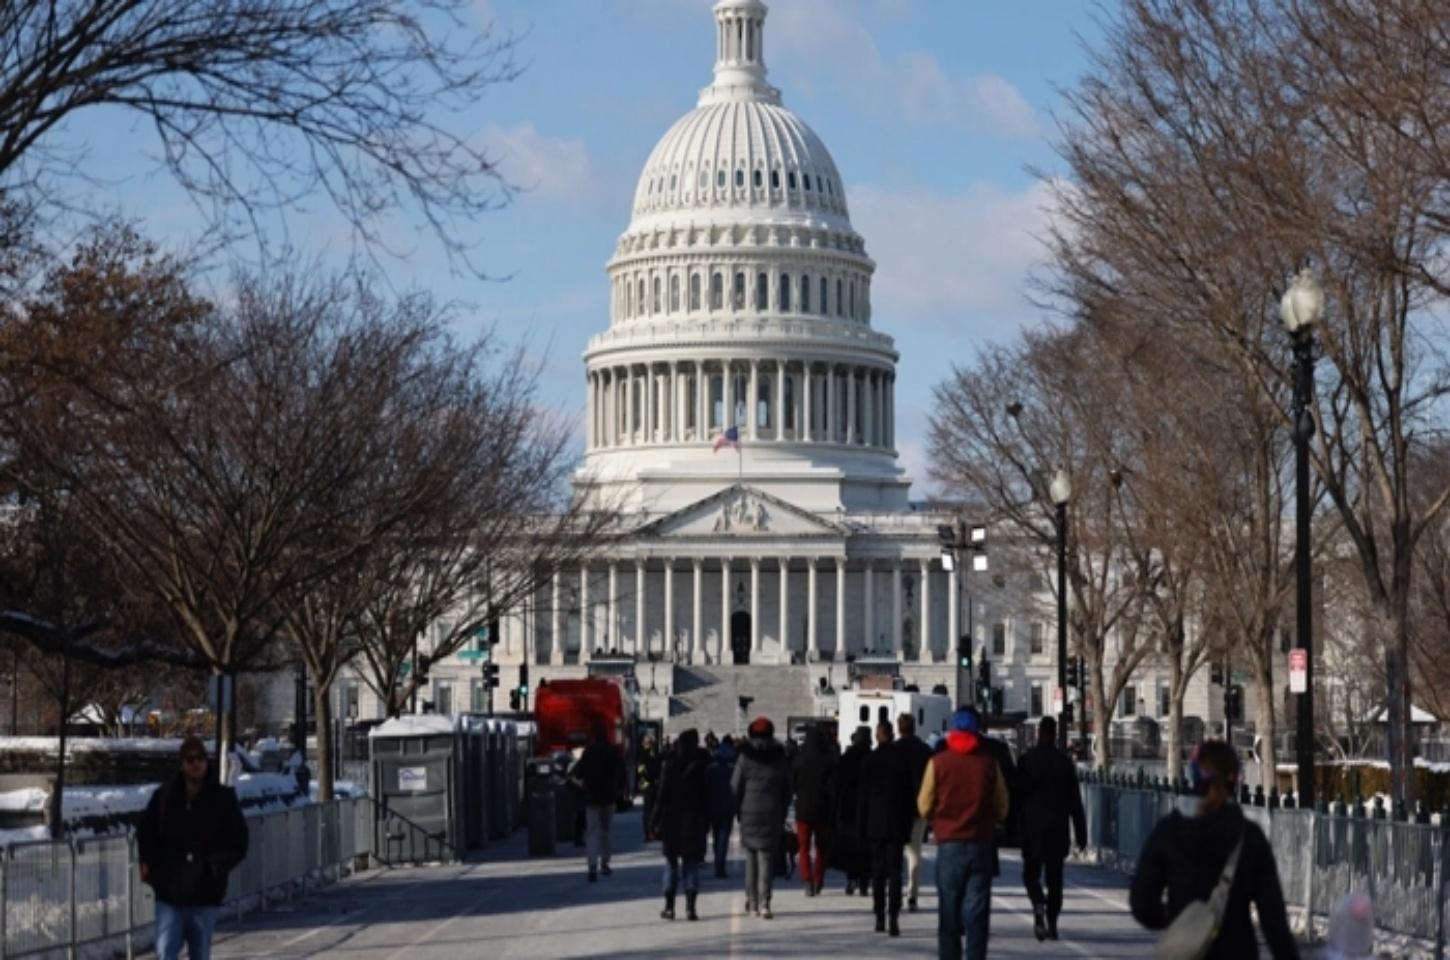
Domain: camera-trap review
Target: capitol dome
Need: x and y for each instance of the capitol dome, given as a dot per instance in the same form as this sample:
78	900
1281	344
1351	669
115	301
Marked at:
741	300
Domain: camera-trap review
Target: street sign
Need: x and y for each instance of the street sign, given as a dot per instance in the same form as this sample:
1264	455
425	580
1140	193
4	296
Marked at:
1057	700
471	656
1298	670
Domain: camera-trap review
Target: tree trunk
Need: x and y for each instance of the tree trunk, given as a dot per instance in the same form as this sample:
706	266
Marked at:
1265	726
55	812
1101	716
322	762
1174	754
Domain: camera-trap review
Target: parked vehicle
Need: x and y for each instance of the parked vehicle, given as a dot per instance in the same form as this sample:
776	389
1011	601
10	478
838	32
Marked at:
858	708
566	713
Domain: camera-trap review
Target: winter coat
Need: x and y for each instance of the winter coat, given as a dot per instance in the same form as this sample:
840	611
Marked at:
1007	836
599	772
681	810
189	846
916	755
1049	795
887	805
720	796
647	771
847	850
1184	857
813	778
761	788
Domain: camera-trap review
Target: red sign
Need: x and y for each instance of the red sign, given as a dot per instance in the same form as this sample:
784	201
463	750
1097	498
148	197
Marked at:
1298	670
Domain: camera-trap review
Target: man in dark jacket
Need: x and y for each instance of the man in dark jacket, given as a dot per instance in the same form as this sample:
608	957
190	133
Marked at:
761	788
813	773
1050	797
682	819
885	813
848	850
599	773
721	801
190	837
646	777
916	756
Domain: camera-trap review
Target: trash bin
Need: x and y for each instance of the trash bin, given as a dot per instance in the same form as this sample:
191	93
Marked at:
541	816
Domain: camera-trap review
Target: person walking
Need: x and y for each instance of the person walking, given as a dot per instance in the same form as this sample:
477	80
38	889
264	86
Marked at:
886	811
1051	798
848	851
964	794
761	790
916	755
812	776
1189	858
647	775
191	836
599	773
721	801
682	819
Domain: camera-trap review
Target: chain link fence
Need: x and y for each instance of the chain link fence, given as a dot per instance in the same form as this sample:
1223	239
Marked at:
1320	857
57	897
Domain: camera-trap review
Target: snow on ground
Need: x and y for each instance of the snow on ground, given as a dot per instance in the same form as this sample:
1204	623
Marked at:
90	744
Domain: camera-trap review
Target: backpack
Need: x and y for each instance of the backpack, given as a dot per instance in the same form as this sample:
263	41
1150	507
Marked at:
1192	933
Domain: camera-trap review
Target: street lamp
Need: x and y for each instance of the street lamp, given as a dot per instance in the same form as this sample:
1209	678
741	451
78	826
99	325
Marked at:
963	547
1301	308
1061	492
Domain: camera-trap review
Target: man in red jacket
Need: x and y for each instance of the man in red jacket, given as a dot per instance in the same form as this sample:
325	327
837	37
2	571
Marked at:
964	794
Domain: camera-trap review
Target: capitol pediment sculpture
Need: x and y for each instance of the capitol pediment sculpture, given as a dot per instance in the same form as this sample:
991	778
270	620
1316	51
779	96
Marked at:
743	513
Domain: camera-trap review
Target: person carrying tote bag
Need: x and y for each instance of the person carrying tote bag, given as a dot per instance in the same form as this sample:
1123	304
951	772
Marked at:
1197	876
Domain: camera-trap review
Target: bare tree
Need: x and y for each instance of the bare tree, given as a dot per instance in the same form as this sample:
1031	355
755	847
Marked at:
257	106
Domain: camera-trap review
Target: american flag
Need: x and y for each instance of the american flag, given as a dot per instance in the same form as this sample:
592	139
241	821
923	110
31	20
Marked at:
730	438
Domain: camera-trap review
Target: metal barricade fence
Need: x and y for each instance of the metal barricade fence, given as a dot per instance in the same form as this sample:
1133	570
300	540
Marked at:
56	896
1319	857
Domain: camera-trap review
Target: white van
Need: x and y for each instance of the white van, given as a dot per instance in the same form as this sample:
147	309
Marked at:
866	708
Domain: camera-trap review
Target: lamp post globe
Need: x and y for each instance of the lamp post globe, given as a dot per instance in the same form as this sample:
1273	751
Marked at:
1061	487
1302	304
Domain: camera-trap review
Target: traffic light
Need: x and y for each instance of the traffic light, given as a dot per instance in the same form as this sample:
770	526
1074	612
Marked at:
1073	676
493	634
1215	673
964	653
1233	702
514	702
490	675
523	679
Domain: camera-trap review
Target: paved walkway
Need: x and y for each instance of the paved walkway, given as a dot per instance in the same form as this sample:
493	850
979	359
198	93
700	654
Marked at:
508	906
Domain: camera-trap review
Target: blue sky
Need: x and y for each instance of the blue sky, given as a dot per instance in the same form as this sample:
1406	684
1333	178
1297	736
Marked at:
932	109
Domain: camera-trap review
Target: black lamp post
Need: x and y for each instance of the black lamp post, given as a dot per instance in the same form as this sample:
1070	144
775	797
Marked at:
1061	492
1300	309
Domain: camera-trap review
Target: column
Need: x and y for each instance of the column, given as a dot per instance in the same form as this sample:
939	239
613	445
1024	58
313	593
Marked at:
613	638
670	646
780	400
697	636
591	410
754	606
785	608
870	612
840	652
850	405
953	614
586	637
752	402
641	639
556	623
807	389
814	631
868	414
627	421
896	647
926	611
727	655
891	411
830	405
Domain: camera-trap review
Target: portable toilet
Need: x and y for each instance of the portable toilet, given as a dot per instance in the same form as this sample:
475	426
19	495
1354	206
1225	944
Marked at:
417	774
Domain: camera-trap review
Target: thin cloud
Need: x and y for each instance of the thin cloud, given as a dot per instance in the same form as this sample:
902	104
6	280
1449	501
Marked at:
549	168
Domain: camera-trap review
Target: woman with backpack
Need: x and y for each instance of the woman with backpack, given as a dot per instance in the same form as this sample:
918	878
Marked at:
1211	867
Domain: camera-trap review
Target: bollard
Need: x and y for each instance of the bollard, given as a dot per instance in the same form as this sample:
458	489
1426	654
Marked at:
1379	808
1274	803
1422	812
1245	798
1259	795
1398	814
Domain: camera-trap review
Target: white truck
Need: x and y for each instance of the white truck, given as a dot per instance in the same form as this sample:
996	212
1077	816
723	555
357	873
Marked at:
866	708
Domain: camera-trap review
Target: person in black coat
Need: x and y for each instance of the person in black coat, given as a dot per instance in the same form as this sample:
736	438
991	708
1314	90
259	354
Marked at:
190	837
1050	796
884	815
1185	856
647	777
599	773
761	787
916	755
721	801
813	777
848	851
682	819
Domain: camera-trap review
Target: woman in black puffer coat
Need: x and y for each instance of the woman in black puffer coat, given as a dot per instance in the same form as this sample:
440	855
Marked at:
848	849
761	786
682	819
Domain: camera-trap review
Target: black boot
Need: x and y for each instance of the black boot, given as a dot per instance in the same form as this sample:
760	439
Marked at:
1052	926
668	913
893	928
1039	921
690	913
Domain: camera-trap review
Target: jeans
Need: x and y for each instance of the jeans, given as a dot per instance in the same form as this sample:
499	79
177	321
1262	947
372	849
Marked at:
189	925
720	830
600	826
759	876
1032	870
886	875
913	857
964	888
678	868
813	872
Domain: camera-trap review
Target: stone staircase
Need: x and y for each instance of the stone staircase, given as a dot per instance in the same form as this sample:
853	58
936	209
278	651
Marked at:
707	698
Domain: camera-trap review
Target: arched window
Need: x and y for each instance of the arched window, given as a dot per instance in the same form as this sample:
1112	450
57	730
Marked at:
790	179
672	181
853	298
739	178
704	179
757	180
805	294
674	293
737	295
784	292
840	300
717	292
694	291
830	187
639	304
655	303
806	180
719	178
825	306
762	292
775	179
762	401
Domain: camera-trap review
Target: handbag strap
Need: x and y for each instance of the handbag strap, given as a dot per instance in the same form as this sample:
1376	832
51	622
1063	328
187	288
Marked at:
1218	900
